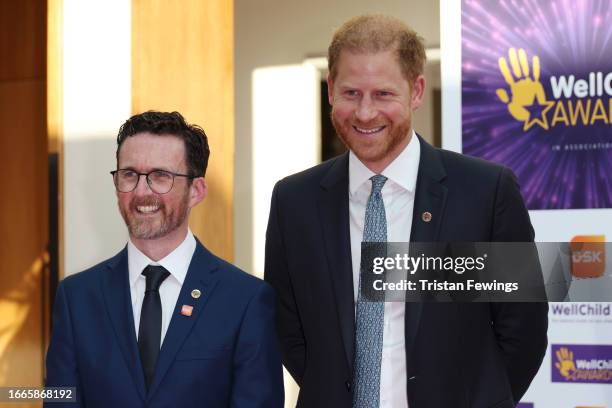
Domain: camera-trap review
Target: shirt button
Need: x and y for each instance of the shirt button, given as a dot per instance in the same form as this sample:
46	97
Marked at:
348	385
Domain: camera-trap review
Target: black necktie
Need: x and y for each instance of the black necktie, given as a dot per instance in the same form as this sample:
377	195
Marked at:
149	332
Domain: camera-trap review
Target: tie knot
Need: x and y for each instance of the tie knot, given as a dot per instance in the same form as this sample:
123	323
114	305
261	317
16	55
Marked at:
378	181
155	275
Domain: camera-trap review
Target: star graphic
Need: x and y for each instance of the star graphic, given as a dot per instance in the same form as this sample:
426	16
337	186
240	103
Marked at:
537	114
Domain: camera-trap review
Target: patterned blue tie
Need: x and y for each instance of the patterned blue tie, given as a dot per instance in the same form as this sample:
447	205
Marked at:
370	315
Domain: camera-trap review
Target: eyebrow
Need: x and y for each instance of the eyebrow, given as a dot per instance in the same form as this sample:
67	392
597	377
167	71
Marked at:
385	87
152	169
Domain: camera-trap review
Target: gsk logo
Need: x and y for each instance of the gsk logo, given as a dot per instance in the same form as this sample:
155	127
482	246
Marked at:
575	101
588	256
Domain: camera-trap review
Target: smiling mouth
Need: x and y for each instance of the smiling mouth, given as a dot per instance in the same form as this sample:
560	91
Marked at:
370	131
147	209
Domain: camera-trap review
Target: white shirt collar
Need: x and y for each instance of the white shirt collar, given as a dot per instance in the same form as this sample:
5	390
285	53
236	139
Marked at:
176	262
402	171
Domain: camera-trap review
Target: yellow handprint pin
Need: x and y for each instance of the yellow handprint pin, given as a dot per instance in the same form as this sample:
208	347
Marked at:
527	102
565	363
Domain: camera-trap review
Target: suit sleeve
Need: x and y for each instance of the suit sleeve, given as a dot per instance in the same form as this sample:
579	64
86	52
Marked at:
62	368
276	272
520	328
258	373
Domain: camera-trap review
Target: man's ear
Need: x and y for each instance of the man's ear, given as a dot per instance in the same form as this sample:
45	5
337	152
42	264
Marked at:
417	92
330	90
197	191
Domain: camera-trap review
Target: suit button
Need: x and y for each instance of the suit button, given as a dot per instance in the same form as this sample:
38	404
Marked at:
348	385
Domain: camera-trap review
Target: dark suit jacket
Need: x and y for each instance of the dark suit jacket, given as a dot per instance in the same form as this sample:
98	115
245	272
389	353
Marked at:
225	354
458	355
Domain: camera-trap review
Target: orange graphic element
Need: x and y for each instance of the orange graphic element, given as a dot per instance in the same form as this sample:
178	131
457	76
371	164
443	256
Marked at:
565	363
526	89
187	310
588	256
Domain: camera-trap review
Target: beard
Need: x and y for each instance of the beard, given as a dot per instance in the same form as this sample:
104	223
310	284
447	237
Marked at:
157	225
373	149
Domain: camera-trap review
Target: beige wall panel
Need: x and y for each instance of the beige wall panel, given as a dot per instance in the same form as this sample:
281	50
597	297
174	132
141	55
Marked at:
182	59
23	224
23	208
55	112
55	85
22	42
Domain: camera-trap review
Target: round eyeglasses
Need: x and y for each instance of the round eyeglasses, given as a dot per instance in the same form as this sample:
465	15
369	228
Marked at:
159	181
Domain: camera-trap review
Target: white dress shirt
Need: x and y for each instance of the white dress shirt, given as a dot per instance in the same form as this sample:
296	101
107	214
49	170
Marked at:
398	197
176	262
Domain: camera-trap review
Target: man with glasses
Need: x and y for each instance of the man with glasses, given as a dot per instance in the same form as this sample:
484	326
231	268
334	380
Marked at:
164	323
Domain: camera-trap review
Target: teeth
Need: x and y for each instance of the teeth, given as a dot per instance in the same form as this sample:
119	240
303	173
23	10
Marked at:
147	209
369	131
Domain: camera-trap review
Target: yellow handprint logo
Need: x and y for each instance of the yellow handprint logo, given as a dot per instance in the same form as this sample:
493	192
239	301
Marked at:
527	91
565	363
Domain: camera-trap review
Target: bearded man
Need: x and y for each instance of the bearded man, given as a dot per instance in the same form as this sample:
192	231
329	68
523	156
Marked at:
392	186
164	323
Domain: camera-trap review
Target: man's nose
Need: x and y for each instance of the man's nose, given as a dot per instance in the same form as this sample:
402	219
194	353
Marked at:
142	187
366	110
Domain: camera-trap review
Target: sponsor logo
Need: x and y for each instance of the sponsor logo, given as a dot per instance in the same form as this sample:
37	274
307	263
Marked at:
567	100
588	256
581	309
581	312
573	363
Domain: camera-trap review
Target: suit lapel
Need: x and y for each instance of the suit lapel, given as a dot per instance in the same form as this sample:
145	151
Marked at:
429	205
116	292
334	215
430	196
200	275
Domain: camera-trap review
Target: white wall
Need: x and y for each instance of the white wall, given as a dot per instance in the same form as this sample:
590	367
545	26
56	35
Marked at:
97	84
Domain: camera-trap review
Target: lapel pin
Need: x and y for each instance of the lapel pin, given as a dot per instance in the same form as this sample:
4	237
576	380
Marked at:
426	216
196	293
186	310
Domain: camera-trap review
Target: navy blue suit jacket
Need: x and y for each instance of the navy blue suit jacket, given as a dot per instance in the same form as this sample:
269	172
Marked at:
224	355
460	355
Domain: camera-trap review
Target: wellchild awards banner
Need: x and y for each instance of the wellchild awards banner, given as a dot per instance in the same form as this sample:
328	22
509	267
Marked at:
537	96
528	84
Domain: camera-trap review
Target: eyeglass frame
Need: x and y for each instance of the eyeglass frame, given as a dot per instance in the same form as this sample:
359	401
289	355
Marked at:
149	182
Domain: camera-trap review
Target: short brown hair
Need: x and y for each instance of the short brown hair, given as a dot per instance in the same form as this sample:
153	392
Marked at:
170	123
373	33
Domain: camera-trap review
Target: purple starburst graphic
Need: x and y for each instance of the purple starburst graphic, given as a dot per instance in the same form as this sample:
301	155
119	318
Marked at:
561	161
